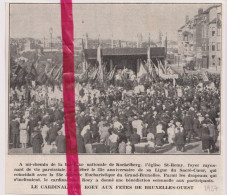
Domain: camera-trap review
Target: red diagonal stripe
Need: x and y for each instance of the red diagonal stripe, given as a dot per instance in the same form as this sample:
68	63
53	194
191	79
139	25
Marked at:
73	174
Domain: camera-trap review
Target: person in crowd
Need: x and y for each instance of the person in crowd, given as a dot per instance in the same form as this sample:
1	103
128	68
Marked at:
205	136
132	104
128	147
36	141
14	130
44	131
122	147
134	139
197	126
159	136
138	125
187	123
179	139
171	132
105	134
23	133
213	136
113	141
88	141
51	134
151	145
60	142
80	144
53	148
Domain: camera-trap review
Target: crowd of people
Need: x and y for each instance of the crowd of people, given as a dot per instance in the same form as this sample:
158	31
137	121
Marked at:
127	117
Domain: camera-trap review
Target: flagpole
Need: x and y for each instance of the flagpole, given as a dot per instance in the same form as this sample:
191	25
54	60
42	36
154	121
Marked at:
165	61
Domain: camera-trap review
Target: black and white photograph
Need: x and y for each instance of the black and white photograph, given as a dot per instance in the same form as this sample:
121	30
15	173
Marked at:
147	79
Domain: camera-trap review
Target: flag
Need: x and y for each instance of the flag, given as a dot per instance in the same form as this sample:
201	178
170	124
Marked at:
58	73
94	74
111	73
42	78
100	68
50	73
150	70
161	67
33	83
148	53
20	74
156	68
33	73
174	82
18	69
205	76
142	71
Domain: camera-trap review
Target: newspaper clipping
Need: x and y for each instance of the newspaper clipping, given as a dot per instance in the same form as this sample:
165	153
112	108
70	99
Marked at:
148	94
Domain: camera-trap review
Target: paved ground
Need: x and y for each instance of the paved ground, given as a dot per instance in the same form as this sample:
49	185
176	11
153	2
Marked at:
179	69
195	147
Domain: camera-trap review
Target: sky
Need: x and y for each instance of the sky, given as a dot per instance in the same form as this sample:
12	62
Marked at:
123	21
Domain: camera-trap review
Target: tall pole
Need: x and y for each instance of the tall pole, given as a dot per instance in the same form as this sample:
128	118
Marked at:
149	39
112	42
216	34
51	32
99	41
86	41
165	61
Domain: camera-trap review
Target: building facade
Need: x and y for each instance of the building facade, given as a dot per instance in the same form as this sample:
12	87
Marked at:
186	41
215	29
199	39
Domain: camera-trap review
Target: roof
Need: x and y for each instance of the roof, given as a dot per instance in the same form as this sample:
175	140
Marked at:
213	21
155	52
124	51
208	9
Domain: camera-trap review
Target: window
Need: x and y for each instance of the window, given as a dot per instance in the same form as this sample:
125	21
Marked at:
213	60
213	31
204	47
213	46
206	31
219	31
219	16
218	46
204	19
186	38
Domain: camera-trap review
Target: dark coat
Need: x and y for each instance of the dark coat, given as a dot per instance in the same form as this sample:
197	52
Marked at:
159	139
80	144
196	124
95	136
179	138
135	139
87	138
46	120
14	127
36	141
58	115
51	135
60	143
212	131
187	123
81	121
205	138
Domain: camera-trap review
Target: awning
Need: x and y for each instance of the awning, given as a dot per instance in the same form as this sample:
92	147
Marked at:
155	52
